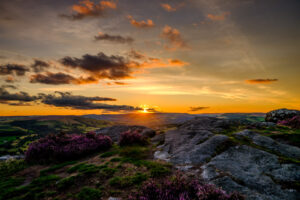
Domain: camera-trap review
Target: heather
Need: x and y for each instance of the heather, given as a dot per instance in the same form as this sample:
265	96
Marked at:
132	137
55	148
293	122
180	188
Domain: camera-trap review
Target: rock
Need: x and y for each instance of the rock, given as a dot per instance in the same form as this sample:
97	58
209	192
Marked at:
9	157
280	114
115	131
194	142
158	139
114	198
270	144
162	155
262	125
252	172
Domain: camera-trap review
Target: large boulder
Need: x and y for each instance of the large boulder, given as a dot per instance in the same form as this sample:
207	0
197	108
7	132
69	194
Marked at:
114	132
281	114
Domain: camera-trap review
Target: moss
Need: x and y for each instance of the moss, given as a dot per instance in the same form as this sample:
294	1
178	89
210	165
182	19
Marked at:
87	193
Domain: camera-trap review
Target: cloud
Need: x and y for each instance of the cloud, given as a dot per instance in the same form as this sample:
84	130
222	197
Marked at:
141	24
39	65
114	38
150	62
261	81
167	7
87	8
13	69
101	66
65	99
173	36
14	98
198	108
220	17
52	78
60	79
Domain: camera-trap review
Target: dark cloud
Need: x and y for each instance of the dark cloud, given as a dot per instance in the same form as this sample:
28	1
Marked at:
114	38
39	66
13	69
101	65
14	98
87	8
198	108
261	81
61	99
52	78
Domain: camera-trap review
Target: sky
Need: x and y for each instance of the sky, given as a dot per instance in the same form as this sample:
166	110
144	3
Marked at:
73	57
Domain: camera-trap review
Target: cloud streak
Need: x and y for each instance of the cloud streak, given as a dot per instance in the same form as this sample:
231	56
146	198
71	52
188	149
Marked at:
261	81
114	38
198	108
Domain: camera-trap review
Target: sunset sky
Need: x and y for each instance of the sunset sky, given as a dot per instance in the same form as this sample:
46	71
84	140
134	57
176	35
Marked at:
66	57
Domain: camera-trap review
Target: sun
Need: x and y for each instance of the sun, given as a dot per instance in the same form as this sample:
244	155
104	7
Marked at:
145	108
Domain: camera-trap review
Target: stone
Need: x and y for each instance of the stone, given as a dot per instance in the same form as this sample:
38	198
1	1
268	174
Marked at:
281	114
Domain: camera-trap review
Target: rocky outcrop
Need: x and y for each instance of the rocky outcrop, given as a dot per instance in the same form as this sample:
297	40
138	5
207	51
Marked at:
115	131
281	114
269	144
253	172
246	161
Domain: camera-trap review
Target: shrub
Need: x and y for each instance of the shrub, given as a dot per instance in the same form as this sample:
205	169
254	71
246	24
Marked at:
178	188
55	148
87	193
130	137
293	122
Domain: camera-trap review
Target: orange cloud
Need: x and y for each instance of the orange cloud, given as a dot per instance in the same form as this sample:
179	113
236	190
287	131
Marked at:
88	8
173	36
220	17
141	24
168	7
261	81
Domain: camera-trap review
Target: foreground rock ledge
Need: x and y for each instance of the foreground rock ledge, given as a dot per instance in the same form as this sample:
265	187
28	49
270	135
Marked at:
202	146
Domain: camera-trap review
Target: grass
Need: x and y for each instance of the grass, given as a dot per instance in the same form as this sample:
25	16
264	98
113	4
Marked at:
11	167
88	193
127	181
56	167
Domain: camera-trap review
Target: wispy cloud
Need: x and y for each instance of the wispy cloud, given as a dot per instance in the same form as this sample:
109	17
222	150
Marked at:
219	17
174	38
261	81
